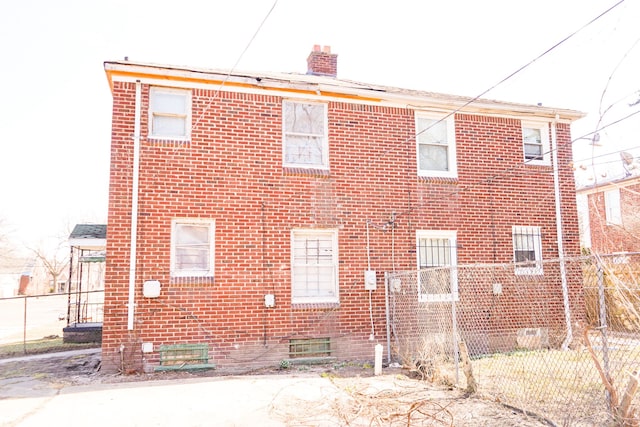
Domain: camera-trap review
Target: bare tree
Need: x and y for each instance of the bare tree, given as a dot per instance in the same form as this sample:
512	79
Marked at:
55	260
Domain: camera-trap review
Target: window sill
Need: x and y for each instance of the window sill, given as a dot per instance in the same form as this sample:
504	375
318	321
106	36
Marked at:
438	298
438	180
168	142
318	173
315	305
191	281
528	272
543	163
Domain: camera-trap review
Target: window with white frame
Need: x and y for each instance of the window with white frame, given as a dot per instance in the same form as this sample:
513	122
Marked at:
436	146
314	266
535	140
437	260
192	248
169	113
612	207
304	130
527	250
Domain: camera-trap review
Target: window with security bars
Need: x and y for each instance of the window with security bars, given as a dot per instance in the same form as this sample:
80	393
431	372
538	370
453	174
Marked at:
192	248
169	113
437	258
314	266
527	250
304	131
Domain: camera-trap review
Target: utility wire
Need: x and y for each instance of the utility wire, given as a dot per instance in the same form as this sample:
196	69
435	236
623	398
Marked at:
606	155
215	95
475	98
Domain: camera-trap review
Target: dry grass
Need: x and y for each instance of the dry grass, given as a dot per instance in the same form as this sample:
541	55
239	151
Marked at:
44	345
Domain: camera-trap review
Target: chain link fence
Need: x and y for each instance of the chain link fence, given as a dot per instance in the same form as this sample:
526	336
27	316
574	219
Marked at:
559	339
34	323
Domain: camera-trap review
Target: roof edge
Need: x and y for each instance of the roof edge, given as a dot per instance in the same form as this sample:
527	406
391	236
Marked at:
327	86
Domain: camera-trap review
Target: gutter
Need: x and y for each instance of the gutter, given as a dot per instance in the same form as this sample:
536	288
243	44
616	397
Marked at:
134	208
319	87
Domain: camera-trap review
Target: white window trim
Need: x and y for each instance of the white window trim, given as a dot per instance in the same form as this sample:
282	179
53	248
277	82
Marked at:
192	273
613	207
452	237
336	287
325	139
451	145
537	270
544	137
187	116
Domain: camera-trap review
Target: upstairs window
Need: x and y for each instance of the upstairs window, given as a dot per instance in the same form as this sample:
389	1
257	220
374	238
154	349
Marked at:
169	113
527	250
535	140
192	248
437	259
612	208
304	132
314	266
435	138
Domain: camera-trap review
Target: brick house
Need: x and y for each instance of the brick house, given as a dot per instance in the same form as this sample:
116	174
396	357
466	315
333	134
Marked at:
613	215
257	202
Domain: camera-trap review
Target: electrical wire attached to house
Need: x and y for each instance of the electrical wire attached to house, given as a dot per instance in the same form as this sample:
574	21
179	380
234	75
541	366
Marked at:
373	331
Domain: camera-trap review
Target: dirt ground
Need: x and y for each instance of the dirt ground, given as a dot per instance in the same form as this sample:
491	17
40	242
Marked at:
395	398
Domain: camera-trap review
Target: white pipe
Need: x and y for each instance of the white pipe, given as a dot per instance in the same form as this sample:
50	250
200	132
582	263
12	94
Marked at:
563	270
134	208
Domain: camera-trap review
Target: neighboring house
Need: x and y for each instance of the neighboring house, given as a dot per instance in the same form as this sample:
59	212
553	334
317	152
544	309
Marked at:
258	212
13	280
612	215
22	276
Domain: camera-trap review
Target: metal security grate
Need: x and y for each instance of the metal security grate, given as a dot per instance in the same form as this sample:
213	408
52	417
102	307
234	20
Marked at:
313	347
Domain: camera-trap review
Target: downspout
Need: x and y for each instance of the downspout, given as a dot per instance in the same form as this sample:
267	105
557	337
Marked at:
134	208
560	236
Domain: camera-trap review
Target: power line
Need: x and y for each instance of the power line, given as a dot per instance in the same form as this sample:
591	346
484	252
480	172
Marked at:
475	98
606	155
253	37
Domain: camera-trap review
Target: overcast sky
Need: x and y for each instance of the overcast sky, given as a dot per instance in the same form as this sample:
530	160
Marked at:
55	104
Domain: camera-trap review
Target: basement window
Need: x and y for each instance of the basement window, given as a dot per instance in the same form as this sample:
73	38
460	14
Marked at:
312	347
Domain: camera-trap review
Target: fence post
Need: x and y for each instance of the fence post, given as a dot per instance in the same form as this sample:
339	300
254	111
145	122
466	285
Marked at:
24	327
454	321
603	328
386	308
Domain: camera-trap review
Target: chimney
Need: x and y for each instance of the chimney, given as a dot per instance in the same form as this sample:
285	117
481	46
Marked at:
322	62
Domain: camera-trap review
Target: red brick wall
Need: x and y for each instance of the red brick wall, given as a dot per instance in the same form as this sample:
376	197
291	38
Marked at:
231	172
609	238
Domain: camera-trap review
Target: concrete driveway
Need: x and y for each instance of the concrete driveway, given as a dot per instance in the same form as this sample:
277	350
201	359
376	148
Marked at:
37	391
215	401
